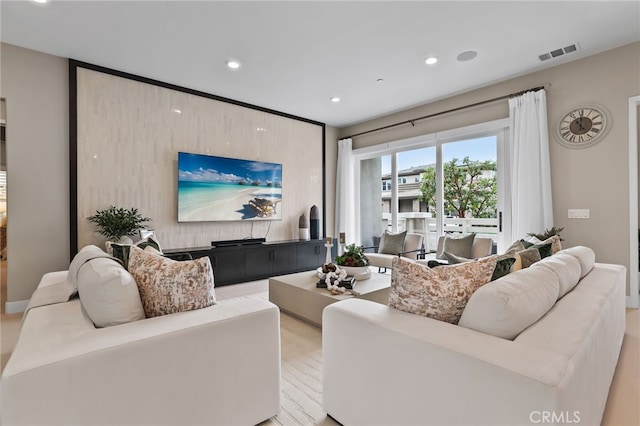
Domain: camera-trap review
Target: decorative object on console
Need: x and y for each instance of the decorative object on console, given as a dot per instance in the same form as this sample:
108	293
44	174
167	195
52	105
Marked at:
314	215
116	223
303	228
583	127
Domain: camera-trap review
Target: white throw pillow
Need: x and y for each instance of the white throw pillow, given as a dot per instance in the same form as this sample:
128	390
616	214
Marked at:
108	293
507	306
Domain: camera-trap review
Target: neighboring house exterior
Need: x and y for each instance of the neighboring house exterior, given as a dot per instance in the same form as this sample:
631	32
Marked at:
408	190
409	181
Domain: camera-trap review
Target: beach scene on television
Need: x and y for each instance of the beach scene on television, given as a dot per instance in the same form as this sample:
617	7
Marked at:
212	188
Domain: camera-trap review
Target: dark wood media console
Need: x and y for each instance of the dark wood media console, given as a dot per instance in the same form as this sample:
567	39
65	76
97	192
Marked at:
240	263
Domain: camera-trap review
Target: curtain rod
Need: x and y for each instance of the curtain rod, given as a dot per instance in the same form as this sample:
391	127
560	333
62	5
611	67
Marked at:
412	121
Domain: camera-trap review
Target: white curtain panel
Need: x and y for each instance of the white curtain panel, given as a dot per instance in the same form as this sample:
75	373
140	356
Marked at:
531	208
345	192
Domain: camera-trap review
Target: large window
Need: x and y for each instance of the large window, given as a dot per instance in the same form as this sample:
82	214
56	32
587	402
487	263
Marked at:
441	183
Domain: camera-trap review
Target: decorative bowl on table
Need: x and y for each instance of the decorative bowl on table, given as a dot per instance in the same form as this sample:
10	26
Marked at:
358	272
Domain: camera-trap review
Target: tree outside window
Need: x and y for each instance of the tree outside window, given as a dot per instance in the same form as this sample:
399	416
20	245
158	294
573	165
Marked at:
470	188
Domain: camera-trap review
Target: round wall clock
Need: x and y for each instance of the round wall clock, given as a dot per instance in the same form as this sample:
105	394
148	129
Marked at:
583	126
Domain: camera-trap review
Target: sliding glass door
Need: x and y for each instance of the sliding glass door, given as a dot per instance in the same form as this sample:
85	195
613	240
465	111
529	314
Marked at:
446	183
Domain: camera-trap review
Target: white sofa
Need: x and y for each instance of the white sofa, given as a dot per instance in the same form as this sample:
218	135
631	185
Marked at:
383	366
216	366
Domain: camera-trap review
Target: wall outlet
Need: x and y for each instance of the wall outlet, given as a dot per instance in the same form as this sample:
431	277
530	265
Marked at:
578	214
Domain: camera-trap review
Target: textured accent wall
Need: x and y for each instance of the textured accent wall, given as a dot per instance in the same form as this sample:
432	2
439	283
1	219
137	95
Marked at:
129	136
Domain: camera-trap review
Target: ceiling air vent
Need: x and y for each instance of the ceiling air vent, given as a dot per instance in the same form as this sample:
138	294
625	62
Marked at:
559	52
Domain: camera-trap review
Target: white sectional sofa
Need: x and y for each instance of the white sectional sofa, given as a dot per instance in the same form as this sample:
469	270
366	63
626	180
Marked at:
214	366
562	322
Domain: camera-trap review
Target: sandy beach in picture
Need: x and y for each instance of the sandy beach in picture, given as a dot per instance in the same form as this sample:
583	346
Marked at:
212	188
233	206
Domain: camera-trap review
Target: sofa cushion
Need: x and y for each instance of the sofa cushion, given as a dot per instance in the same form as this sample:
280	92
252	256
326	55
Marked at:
85	254
108	293
392	243
505	307
439	293
459	246
567	269
167	286
585	256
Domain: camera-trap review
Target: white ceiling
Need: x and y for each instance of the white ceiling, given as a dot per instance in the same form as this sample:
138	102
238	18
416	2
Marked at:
296	55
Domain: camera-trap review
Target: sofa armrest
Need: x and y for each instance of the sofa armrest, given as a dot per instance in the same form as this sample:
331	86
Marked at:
135	373
426	369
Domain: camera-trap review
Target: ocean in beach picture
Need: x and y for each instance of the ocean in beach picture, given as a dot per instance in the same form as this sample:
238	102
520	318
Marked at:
212	188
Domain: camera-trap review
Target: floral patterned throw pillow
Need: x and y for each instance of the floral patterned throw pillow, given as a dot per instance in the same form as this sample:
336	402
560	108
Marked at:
439	293
167	286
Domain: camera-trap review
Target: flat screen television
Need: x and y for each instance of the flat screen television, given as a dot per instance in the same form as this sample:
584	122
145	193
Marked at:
212	188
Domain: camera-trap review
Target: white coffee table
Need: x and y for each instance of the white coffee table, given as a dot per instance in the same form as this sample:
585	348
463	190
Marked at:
297	294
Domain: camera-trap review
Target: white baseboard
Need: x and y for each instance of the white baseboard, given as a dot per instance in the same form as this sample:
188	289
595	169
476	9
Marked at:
632	302
15	307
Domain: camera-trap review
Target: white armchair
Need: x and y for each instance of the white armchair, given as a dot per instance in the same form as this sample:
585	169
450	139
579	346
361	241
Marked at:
412	248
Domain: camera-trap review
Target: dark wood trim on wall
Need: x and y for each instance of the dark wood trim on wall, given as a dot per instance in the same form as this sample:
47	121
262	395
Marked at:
73	134
73	159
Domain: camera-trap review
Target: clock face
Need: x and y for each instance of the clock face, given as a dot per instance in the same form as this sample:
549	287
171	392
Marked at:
582	127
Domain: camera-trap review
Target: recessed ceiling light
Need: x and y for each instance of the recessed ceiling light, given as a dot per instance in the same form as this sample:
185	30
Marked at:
233	64
380	80
335	99
467	56
41	1
431	60
177	111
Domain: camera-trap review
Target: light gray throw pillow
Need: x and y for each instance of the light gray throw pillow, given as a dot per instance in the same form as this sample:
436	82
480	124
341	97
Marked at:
392	243
458	246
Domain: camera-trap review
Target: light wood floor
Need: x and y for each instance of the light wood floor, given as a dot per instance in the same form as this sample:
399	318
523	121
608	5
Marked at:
301	396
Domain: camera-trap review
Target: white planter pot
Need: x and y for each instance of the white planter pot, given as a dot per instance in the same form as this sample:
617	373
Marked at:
359	272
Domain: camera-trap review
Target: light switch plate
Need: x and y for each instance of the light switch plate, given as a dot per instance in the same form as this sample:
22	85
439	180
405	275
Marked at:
578	214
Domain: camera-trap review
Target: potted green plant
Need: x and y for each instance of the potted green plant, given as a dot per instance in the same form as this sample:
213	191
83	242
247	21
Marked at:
547	233
353	260
117	223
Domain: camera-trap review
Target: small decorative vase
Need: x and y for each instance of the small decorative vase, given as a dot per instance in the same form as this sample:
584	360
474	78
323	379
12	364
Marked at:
314	215
303	228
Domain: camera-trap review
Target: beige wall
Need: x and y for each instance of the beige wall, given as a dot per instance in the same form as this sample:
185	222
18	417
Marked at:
35	87
129	138
595	178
